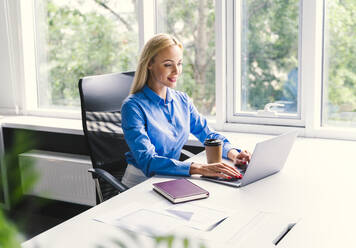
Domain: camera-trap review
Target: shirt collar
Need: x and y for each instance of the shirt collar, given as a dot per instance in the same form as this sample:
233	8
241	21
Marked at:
156	98
169	95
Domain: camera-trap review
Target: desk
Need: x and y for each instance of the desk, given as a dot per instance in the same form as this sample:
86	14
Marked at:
308	186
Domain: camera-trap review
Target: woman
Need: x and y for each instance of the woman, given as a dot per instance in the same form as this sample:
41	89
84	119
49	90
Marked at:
157	120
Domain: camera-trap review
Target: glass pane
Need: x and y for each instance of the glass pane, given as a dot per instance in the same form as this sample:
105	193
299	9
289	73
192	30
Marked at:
339	100
269	55
77	38
192	22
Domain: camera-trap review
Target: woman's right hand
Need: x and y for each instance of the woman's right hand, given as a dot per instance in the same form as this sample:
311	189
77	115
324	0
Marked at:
215	170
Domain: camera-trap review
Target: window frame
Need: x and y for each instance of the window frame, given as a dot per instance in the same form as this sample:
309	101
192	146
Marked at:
146	22
235	81
310	70
311	46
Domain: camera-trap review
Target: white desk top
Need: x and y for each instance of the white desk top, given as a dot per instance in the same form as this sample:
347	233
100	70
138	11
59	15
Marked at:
309	186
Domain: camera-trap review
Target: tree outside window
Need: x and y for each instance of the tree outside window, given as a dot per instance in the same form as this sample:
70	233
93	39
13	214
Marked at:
80	38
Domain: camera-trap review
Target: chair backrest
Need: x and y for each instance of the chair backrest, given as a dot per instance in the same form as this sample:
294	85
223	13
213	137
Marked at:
101	100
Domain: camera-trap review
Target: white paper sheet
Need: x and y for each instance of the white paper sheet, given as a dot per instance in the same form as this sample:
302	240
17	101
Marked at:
198	217
137	219
147	222
163	218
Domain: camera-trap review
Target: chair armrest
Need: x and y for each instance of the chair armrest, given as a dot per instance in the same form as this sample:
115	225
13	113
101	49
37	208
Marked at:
96	172
187	153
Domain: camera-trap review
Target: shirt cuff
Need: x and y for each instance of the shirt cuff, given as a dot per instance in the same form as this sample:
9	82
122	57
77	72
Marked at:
227	148
183	168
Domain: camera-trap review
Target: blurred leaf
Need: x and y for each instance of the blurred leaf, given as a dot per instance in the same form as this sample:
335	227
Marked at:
8	233
9	236
22	143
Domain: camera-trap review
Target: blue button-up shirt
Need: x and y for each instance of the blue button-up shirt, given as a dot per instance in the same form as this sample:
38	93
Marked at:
156	130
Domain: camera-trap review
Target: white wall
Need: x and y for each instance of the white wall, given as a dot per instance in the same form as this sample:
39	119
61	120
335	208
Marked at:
6	91
10	70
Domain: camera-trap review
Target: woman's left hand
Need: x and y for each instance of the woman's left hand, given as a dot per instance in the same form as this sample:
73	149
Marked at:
242	158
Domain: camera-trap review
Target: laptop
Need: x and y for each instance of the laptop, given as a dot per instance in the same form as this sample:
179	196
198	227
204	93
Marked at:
268	158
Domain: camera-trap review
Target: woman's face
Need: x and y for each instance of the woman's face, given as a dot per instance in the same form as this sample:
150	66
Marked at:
166	67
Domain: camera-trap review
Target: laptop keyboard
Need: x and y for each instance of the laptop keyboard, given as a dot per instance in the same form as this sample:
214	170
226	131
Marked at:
223	179
228	180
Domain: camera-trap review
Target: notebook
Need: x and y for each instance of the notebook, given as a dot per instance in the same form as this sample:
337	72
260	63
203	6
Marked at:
180	190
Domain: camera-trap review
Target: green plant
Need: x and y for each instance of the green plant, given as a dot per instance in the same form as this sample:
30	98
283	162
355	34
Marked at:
9	236
9	233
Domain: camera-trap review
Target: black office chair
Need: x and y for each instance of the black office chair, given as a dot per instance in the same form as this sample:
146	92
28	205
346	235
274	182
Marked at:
101	99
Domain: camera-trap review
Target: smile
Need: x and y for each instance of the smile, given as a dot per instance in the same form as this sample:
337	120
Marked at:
172	79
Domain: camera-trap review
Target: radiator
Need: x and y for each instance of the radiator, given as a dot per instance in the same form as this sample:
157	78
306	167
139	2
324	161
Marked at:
60	176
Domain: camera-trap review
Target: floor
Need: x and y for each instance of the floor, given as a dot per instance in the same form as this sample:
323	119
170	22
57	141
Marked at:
35	215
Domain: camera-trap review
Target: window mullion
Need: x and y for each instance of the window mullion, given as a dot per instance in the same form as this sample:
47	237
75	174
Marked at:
29	55
146	20
220	63
311	68
232	71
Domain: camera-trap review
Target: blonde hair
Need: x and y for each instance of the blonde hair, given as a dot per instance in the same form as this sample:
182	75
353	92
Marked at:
156	44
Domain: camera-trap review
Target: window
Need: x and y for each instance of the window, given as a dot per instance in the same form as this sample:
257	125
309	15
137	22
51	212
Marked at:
192	22
269	66
266	62
76	38
339	94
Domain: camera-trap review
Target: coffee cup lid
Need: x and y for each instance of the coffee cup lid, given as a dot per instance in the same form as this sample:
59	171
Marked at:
212	142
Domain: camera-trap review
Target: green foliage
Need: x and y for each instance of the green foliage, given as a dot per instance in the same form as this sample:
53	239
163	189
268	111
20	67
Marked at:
270	49
96	42
82	44
22	142
341	49
9	234
170	241
132	239
193	22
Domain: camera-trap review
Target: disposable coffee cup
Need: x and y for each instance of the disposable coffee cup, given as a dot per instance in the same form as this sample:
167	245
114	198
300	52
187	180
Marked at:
213	148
